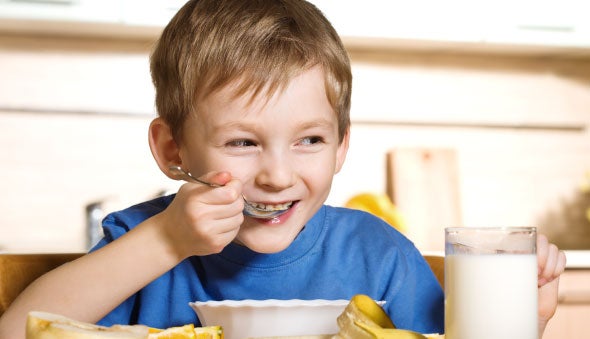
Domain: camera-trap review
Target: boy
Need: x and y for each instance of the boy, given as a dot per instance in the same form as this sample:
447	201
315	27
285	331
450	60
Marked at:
253	97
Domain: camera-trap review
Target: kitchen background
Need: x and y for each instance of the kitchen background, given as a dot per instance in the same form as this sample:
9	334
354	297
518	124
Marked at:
479	118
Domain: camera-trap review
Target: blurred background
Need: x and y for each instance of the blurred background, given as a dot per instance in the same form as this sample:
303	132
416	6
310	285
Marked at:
470	113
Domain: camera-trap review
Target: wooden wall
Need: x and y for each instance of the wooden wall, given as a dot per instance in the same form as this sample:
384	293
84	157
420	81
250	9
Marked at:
74	117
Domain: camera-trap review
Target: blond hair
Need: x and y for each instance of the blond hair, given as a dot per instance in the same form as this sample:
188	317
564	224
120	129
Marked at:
261	44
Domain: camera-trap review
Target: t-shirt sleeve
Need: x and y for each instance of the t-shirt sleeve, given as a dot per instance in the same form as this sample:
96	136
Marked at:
116	224
418	302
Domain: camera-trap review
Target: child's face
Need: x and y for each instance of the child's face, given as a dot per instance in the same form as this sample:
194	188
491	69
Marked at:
282	150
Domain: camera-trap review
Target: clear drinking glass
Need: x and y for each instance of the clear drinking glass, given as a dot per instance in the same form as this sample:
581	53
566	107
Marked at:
491	283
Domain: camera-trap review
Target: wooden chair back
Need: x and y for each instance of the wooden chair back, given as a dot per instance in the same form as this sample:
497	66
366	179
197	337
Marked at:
17	271
437	265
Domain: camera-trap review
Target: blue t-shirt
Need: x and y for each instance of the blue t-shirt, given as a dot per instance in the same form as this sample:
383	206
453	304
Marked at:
339	253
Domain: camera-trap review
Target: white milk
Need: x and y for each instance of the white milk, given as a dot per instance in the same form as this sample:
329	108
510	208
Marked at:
491	296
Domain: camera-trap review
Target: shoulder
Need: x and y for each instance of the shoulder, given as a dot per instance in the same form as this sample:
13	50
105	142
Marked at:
361	226
117	223
137	213
357	220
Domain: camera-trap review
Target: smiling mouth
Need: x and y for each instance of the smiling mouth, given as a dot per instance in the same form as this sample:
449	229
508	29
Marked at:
266	211
271	207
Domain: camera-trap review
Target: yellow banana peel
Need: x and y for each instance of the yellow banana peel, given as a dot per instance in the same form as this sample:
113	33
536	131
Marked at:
363	318
389	333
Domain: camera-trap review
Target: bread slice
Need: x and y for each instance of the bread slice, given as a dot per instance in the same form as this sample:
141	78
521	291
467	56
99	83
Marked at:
43	325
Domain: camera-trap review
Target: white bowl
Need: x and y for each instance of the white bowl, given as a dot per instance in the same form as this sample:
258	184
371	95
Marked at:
265	318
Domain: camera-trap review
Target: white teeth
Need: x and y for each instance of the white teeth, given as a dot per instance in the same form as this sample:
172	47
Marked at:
265	207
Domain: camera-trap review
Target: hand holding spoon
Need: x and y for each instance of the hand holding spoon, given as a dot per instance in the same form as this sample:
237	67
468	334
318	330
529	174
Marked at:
249	208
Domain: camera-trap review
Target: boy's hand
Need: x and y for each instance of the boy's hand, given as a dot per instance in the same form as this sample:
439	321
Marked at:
202	220
551	263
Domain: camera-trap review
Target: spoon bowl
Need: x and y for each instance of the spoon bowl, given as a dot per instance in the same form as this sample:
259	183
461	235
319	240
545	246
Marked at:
249	208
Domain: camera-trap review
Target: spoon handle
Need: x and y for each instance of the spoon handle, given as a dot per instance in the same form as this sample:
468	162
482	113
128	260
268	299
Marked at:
177	170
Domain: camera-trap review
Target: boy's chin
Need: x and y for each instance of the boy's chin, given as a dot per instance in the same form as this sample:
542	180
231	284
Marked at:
264	246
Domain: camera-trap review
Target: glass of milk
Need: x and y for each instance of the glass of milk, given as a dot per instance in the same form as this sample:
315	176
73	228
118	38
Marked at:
491	283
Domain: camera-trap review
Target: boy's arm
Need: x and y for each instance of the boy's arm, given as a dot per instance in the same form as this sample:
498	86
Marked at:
199	221
88	288
551	263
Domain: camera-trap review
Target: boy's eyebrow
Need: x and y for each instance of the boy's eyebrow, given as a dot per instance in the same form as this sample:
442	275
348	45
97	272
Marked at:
321	123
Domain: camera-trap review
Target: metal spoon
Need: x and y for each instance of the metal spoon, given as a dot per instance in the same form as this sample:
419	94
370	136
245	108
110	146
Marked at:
249	208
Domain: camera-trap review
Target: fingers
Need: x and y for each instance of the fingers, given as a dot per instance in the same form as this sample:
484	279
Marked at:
223	190
546	273
542	251
223	204
217	178
551	263
207	215
202	219
561	262
551	260
547	300
217	235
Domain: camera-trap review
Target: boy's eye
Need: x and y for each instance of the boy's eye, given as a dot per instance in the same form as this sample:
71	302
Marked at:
311	140
241	143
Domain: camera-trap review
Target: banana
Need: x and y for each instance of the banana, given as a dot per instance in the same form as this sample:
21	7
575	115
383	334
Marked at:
361	310
379	205
363	318
389	333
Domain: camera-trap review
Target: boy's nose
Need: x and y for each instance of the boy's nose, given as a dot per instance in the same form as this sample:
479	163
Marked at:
275	172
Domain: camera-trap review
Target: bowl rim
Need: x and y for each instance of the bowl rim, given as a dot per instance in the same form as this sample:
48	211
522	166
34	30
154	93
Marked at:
274	303
270	303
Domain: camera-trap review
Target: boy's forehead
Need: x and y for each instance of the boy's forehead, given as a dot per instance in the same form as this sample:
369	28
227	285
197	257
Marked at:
304	97
244	93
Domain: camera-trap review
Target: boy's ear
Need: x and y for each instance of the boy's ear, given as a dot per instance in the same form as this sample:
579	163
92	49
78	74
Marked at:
342	151
163	146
